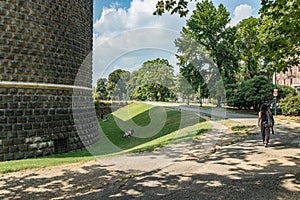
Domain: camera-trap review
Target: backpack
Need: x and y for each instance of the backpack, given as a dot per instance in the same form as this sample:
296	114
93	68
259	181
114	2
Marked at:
270	119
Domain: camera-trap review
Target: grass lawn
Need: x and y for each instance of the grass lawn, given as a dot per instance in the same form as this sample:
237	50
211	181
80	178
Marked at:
154	128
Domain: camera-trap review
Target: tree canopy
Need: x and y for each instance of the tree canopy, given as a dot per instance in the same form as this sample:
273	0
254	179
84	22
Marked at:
117	81
278	30
153	80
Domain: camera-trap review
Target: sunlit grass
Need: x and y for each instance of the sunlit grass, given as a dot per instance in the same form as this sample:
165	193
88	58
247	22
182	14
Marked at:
238	128
176	127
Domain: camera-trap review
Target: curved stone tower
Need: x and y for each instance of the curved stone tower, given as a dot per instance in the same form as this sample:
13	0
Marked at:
45	78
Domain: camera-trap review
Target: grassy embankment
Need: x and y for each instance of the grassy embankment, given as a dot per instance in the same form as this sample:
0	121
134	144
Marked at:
155	127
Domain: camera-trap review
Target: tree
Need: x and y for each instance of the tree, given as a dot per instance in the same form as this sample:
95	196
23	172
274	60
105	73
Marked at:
207	25
290	105
117	82
254	92
132	84
279	33
101	88
248	46
193	61
184	88
284	91
172	6
155	78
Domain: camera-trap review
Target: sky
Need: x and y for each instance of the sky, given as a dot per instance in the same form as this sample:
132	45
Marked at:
126	34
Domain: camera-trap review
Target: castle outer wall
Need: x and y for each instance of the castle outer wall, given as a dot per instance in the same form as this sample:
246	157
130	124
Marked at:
46	104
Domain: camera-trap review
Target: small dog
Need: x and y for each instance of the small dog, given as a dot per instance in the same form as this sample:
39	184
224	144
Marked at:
128	133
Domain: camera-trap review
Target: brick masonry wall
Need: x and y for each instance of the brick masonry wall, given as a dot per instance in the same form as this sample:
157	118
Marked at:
45	77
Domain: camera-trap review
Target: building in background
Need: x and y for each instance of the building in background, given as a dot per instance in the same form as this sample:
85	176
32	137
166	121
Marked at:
290	78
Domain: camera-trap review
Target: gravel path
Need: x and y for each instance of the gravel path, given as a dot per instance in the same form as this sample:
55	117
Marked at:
244	170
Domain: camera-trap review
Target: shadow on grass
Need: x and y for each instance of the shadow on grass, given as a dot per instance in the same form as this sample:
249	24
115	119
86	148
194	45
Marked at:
174	129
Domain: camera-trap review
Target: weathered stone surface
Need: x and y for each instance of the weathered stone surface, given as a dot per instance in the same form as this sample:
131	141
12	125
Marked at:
45	42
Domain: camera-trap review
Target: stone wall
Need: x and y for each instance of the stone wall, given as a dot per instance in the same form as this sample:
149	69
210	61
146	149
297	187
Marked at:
45	78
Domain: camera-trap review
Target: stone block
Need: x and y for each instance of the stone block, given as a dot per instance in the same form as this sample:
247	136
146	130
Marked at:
40	132
4	149
19	155
29	140
19	113
9	156
7	142
17	99
31	118
7	128
36	125
32	147
22	134
23	147
47	152
12	120
22	119
50	144
13	149
3	120
9	112
27	126
37	139
3	90
39	153
29	154
12	134
18	141
43	145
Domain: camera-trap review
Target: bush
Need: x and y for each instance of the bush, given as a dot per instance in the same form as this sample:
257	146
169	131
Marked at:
251	93
284	91
290	105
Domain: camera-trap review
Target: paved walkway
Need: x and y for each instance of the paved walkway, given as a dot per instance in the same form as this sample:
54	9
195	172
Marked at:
244	170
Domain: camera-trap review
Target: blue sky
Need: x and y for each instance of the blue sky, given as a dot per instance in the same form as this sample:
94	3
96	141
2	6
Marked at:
126	34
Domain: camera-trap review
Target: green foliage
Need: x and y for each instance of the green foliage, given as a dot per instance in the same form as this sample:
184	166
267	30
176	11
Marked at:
101	89
117	83
183	87
290	105
284	91
248	47
192	60
207	33
152	81
253	92
220	92
172	6
279	32
209	27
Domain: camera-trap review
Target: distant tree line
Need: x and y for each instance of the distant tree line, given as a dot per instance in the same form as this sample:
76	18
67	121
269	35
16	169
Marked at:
233	65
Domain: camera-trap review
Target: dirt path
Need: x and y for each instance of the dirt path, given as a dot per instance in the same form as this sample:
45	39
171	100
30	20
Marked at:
244	170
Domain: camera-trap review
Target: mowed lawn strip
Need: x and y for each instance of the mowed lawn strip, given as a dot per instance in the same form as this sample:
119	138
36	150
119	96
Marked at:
177	126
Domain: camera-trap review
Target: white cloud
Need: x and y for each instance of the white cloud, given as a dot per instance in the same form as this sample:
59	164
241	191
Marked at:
241	12
121	33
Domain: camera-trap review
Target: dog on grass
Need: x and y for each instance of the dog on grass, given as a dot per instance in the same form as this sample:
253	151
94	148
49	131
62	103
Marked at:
129	133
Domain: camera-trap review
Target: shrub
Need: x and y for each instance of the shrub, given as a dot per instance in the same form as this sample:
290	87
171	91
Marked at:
284	91
290	105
